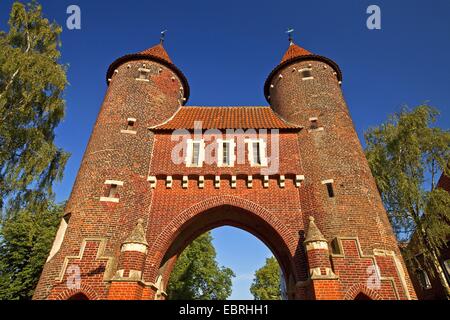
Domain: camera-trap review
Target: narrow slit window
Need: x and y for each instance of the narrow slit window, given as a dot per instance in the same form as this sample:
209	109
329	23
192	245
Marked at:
130	125
330	189
112	192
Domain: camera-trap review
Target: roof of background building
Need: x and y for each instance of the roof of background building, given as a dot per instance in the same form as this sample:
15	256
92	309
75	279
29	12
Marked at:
226	118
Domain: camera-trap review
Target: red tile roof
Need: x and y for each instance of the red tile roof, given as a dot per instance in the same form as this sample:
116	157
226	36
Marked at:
226	118
294	51
157	51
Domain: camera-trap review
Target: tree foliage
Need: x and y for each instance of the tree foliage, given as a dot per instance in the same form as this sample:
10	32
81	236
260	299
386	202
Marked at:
197	276
25	242
407	155
31	107
267	282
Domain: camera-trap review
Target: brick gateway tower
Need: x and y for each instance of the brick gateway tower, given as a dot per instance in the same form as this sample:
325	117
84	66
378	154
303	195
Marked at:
134	207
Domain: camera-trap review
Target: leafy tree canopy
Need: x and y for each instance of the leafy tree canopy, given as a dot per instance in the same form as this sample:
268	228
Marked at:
31	107
197	276
25	242
407	155
267	282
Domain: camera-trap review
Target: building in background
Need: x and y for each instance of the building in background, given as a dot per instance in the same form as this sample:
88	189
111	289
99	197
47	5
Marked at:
426	282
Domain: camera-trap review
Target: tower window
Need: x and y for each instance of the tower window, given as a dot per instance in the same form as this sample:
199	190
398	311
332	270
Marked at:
306	73
143	74
330	190
314	124
112	191
130	124
329	185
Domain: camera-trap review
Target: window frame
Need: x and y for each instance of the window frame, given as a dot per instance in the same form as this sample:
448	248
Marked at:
231	152
190	153
262	152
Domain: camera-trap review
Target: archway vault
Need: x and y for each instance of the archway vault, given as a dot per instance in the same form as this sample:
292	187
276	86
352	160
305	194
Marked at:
224	211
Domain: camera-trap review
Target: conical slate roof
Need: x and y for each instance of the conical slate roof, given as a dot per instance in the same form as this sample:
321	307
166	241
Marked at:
313	233
138	234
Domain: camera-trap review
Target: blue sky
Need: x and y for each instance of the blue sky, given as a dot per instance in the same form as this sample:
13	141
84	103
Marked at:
227	49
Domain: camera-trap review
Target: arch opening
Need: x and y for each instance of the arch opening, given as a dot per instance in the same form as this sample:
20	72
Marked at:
232	216
78	296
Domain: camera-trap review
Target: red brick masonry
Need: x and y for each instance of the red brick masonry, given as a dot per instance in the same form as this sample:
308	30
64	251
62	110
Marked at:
125	247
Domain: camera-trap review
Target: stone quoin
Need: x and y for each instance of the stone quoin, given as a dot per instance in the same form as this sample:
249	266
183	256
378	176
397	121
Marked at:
133	210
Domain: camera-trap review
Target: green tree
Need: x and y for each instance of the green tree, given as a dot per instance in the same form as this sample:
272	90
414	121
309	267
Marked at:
31	107
406	155
267	282
197	276
25	242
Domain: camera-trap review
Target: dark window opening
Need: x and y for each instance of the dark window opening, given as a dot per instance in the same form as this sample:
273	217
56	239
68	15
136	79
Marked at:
112	192
256	153
307	73
130	125
330	190
314	124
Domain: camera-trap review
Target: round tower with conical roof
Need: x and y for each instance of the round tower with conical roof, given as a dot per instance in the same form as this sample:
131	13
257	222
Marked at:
305	89
111	192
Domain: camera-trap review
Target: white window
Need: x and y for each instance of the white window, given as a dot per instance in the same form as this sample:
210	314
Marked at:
195	153
225	153
257	152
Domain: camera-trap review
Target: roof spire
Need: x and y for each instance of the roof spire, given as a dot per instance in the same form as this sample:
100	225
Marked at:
163	36
289	32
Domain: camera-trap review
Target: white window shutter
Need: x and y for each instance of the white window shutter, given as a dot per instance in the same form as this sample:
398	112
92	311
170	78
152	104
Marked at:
219	152
232	152
263	152
189	149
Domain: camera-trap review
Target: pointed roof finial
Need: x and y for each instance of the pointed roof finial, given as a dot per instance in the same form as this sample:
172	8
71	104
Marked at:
138	234
163	36
289	32
313	233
